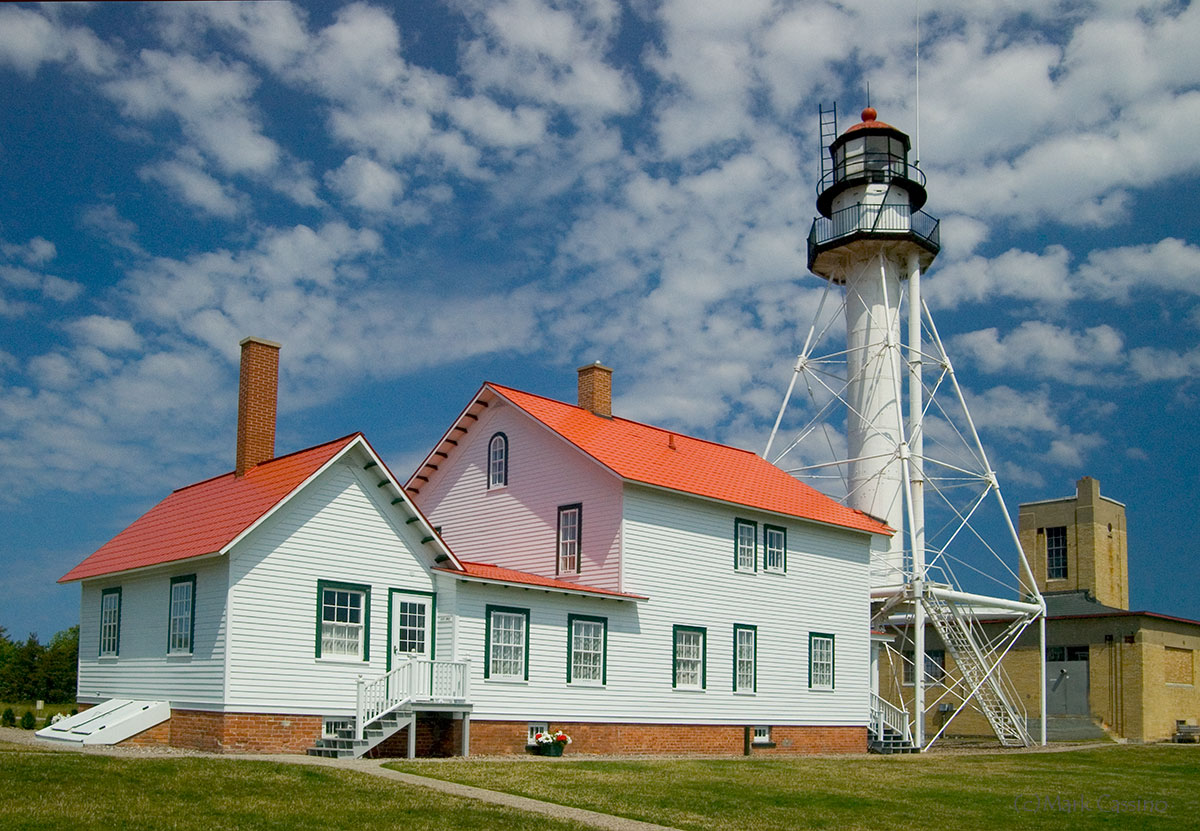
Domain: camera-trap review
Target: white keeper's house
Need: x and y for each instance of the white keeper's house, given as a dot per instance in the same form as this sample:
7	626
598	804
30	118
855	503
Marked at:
548	566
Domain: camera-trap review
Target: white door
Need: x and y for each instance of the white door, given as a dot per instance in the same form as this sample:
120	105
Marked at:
412	625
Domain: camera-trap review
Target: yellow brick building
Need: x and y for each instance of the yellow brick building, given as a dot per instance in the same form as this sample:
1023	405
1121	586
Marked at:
1134	673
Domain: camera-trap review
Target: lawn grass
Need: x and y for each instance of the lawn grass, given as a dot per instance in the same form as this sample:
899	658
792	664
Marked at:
897	793
45	789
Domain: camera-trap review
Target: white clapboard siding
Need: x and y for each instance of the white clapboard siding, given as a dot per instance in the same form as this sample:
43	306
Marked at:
517	526
340	527
679	553
143	670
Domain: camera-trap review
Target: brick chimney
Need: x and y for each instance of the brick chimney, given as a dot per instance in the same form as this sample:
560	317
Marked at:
595	389
258	390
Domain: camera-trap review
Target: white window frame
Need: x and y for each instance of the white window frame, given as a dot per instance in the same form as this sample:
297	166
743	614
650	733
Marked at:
570	538
689	657
536	727
745	545
587	652
507	644
110	623
181	615
821	661
745	658
774	556
331	724
761	735
498	461
336	627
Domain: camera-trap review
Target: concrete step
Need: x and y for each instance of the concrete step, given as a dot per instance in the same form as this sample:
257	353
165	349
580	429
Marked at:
1069	729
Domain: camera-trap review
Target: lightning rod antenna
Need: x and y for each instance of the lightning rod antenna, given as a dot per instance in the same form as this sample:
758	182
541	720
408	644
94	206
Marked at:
917	131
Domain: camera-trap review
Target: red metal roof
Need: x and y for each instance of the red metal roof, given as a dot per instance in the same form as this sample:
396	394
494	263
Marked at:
666	459
491	573
205	517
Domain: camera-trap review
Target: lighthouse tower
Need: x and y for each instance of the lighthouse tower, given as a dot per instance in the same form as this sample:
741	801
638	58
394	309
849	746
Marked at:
871	244
870	237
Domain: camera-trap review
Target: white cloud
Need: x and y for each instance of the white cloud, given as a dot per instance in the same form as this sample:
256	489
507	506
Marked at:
29	39
549	56
1150	364
367	184
1014	274
1170	265
48	286
37	251
1043	350
195	187
211	100
105	333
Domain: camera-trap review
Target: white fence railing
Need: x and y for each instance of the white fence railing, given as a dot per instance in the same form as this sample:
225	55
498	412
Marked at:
886	714
410	680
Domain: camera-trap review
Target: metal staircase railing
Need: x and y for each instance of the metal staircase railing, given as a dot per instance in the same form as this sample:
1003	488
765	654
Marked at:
996	702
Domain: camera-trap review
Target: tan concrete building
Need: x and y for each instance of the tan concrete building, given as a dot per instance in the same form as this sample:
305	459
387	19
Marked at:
1133	673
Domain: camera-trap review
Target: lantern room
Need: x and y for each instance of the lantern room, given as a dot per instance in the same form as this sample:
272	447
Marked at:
870	152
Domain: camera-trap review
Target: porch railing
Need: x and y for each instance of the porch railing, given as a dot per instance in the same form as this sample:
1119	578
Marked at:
886	714
410	680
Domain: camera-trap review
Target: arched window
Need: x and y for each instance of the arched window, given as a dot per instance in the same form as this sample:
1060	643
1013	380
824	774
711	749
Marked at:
498	461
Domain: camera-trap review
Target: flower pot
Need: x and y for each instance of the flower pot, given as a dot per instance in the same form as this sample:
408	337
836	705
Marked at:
551	749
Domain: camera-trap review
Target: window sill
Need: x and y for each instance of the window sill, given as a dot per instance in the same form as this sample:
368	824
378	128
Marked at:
782	572
689	689
514	682
763	745
1177	684
595	685
108	659
750	693
179	656
345	660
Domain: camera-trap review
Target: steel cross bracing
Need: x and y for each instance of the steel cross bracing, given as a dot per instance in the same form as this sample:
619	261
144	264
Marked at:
949	487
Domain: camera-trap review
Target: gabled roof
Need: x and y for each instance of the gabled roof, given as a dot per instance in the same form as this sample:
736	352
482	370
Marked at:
208	517
488	573
665	459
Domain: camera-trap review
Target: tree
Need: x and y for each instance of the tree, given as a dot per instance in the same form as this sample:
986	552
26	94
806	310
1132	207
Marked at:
31	671
60	665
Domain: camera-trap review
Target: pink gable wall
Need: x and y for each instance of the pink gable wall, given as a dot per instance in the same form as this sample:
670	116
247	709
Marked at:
517	526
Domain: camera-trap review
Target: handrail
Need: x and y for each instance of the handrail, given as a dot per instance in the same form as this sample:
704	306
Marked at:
412	679
885	713
874	218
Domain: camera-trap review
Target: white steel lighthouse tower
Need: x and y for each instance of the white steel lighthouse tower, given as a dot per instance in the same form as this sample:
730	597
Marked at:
871	243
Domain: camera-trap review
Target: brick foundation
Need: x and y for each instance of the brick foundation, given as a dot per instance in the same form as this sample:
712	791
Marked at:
495	738
440	735
233	732
157	736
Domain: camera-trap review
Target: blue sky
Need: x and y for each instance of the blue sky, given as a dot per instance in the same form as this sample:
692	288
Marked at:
417	198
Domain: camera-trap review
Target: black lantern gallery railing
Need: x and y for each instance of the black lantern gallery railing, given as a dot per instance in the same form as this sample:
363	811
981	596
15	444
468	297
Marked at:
866	219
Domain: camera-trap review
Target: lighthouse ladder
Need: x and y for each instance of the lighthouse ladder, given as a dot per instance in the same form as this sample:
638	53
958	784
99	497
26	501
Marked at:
995	702
828	120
